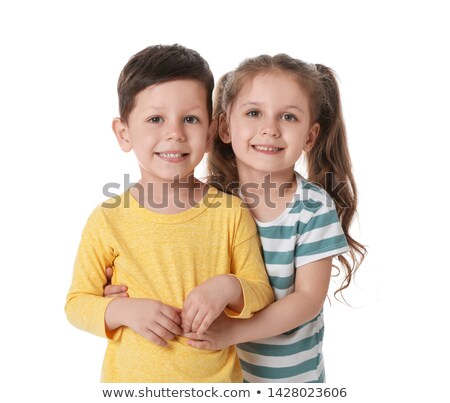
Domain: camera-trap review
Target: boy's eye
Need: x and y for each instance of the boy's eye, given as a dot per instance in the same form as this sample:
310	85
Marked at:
191	119
289	117
253	114
155	119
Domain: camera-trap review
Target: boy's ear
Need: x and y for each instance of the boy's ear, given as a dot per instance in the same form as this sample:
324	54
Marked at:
120	129
312	137
223	129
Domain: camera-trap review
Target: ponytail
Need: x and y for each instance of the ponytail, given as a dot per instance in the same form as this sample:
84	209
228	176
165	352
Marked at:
329	165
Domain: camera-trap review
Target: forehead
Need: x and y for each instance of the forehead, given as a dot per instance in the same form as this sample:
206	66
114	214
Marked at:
268	81
273	87
183	88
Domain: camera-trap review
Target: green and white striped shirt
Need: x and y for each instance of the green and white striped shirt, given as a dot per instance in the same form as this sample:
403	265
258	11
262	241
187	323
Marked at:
308	230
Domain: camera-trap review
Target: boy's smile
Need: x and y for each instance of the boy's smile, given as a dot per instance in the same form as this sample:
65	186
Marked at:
167	129
172	156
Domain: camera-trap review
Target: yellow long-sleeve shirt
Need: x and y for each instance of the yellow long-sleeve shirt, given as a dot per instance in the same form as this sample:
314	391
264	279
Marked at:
163	257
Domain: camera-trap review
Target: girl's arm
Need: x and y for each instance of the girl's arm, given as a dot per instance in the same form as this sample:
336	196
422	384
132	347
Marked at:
305	303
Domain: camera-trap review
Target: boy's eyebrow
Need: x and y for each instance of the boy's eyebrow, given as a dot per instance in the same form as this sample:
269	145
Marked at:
251	103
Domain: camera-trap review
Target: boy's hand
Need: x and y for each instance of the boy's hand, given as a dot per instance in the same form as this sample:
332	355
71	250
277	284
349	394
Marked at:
218	336
152	319
113	291
207	301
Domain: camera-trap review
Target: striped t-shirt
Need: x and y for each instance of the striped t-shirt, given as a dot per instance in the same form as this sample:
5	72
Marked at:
308	230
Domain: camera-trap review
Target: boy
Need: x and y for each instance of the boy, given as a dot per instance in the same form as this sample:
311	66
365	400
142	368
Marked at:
186	251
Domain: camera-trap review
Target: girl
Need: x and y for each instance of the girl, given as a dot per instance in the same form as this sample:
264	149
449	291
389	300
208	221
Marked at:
269	111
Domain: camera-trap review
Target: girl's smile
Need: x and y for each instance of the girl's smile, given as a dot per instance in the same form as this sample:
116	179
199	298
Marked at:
266	149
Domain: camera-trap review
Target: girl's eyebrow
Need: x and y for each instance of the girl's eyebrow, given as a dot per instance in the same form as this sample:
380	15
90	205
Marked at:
251	103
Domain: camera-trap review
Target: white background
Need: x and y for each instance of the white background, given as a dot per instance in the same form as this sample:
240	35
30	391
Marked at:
59	67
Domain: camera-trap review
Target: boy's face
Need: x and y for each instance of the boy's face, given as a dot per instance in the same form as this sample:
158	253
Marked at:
167	129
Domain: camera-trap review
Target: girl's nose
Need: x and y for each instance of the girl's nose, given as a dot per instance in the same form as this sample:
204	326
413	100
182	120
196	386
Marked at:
270	128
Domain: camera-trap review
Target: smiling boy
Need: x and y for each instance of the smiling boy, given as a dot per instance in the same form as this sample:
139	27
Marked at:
186	251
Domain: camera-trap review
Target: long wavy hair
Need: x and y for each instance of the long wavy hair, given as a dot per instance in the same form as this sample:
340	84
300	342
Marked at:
328	162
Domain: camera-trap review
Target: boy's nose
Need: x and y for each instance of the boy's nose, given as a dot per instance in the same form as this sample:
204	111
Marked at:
175	132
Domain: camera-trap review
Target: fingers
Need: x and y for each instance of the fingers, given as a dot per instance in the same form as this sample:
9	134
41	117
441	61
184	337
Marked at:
172	313
187	317
154	338
115	291
170	319
169	326
161	331
194	336
197	319
204	325
120	295
200	321
204	345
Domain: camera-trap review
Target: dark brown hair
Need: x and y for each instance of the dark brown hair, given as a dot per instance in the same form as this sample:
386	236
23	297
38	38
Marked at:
328	162
158	64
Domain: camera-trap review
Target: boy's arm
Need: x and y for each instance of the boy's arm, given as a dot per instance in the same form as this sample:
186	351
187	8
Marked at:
242	292
247	266
208	300
152	319
89	310
85	305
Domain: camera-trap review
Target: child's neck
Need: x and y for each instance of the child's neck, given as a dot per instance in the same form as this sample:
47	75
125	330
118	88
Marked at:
267	194
169	197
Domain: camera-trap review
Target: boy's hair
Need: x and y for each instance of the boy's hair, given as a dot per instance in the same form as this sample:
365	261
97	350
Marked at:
159	64
328	162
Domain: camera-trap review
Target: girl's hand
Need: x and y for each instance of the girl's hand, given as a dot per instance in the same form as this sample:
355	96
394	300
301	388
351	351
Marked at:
152	319
207	301
113	291
219	335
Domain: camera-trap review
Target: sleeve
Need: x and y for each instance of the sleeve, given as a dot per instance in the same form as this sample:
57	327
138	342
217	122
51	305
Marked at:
321	234
247	266
85	305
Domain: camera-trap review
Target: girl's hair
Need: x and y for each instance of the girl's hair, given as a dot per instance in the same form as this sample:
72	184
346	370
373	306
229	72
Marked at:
328	162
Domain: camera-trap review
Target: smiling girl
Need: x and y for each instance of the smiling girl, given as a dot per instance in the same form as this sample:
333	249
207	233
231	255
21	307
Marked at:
271	110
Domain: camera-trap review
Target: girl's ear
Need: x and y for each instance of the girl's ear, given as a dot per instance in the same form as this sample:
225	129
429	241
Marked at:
223	129
121	131
312	137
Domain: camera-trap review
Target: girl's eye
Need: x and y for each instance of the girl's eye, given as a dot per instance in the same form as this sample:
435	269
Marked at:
253	114
155	119
289	117
191	119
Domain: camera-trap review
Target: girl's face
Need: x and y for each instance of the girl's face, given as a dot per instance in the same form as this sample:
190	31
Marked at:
269	125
